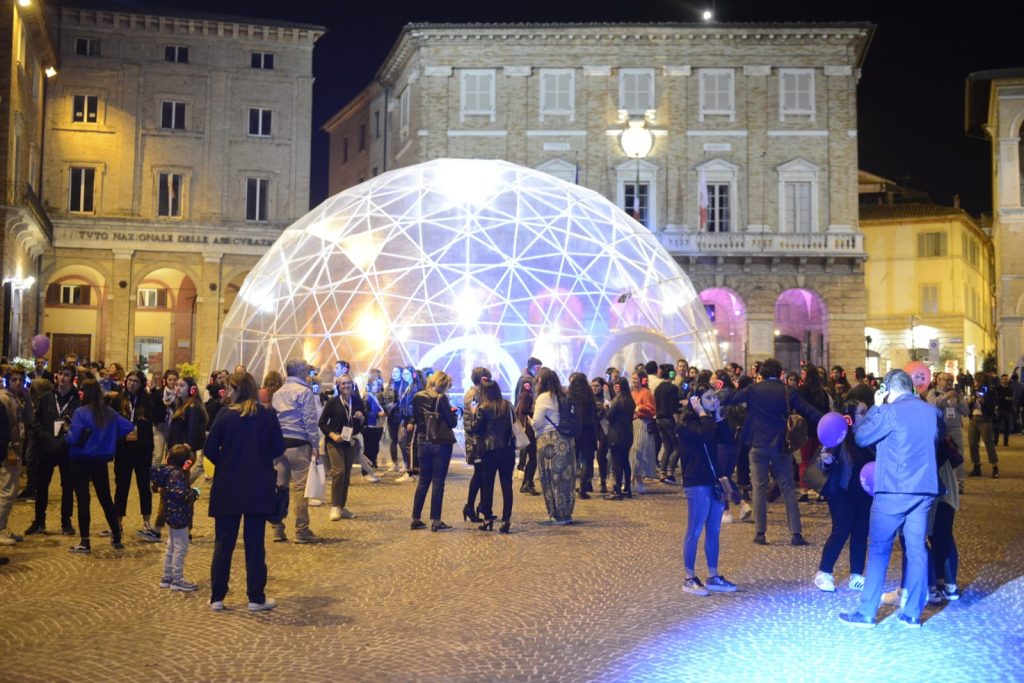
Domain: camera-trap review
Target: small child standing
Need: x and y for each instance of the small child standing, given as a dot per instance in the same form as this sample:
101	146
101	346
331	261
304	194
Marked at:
178	498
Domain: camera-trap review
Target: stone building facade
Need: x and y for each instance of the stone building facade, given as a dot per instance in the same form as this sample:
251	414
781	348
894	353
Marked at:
28	232
762	117
995	113
176	151
930	278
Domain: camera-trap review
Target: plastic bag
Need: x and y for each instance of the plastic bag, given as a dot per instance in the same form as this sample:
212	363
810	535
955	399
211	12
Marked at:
315	480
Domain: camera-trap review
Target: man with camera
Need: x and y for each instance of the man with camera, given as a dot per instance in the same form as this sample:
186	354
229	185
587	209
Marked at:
904	430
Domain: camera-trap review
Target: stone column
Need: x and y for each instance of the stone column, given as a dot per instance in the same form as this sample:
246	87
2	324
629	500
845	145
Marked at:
842	148
121	325
757	205
207	324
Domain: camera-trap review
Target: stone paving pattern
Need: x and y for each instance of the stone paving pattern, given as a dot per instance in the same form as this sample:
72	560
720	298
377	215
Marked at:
595	601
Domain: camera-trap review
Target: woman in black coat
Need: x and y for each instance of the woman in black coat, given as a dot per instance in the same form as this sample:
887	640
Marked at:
497	448
242	444
620	438
134	453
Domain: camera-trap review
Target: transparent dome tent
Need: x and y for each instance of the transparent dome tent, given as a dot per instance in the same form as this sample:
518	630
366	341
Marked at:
453	264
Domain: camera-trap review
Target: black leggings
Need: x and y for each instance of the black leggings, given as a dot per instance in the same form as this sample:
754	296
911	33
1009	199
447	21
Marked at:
500	462
126	463
93	470
528	462
474	485
621	469
586	445
851	514
394	422
371	443
602	455
943	545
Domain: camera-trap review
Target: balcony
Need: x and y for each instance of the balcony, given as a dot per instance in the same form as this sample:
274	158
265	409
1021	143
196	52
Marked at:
33	226
831	245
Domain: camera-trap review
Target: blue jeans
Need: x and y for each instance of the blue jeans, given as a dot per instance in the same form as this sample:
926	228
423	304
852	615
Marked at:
174	558
889	512
703	514
434	459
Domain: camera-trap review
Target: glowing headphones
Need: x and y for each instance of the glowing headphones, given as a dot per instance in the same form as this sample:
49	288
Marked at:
849	420
220	393
81	395
643	381
527	386
192	390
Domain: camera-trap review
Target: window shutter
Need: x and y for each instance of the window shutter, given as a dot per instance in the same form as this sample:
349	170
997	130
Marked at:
161	298
53	294
922	242
943	249
86	291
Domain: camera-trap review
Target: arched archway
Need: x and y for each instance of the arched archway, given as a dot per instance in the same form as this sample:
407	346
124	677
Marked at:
633	345
728	314
800	316
163	320
74	313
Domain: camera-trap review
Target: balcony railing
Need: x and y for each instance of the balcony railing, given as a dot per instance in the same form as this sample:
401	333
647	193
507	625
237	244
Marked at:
22	194
763	244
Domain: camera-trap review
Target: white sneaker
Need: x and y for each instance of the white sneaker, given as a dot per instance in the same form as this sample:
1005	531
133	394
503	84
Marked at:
745	511
394	467
345	514
217	605
727	517
315	502
638	486
335	514
371	478
856	582
6	537
935	596
404	478
824	581
268	604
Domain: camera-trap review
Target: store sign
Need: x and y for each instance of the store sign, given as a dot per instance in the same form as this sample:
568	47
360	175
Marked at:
257	241
168	238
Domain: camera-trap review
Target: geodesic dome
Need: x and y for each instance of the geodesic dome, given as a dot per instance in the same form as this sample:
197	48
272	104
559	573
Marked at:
457	263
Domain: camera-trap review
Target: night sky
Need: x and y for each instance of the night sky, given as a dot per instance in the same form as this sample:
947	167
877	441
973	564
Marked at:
911	94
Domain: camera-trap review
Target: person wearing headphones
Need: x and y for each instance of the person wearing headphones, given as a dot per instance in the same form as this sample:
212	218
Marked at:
642	457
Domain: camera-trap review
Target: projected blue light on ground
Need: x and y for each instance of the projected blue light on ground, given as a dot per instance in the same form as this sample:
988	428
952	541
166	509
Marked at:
459	263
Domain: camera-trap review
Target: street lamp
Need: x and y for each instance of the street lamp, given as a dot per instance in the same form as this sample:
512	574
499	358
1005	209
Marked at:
636	141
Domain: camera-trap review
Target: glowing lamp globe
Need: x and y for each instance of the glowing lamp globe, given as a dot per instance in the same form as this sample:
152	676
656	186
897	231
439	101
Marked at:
454	264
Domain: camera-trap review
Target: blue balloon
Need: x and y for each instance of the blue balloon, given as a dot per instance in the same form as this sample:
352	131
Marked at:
867	478
832	430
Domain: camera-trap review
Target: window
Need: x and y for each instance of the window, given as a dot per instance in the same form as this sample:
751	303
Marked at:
796	92
169	195
930	299
149	297
403	112
798	196
716	93
636	90
176	53
344	150
969	248
172	115
477	93
87	47
262	60
931	244
259	121
82	187
256	190
362	136
557	93
637	201
798	207
85	108
71	295
719	219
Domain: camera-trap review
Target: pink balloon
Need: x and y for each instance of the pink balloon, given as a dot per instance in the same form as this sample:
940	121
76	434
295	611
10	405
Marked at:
832	430
40	345
867	478
919	373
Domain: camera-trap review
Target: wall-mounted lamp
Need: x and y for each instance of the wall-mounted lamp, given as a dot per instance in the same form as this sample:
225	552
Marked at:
19	285
50	72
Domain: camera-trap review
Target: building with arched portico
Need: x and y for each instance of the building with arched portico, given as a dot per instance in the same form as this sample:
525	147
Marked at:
995	112
761	123
176	151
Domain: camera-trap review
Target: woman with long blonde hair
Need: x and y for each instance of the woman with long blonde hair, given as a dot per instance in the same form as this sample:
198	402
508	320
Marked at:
434	455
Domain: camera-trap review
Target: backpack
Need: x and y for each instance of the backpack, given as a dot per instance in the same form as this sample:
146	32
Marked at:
568	421
796	428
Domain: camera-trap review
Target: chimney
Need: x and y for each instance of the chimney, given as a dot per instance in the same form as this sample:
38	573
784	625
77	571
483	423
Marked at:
956	201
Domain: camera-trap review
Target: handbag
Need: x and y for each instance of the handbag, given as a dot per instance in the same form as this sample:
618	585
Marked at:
724	490
815	475
438	431
796	427
522	440
281	497
315	480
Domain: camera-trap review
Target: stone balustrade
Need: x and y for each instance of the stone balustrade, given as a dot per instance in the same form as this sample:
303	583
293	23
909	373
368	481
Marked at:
763	243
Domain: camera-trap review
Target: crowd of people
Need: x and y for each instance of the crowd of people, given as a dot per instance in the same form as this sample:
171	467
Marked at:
734	439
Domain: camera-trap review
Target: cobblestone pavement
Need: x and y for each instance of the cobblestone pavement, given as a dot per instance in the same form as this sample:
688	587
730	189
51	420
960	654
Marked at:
598	600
